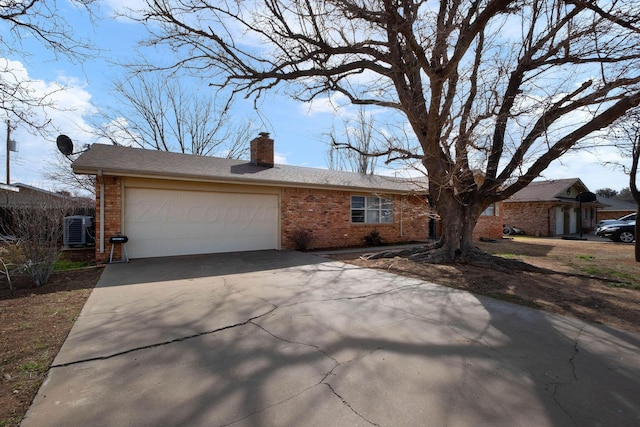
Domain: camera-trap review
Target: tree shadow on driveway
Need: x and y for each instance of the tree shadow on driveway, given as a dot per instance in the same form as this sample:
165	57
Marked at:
139	271
332	344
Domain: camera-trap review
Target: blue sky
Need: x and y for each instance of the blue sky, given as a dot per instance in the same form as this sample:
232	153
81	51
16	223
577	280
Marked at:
296	128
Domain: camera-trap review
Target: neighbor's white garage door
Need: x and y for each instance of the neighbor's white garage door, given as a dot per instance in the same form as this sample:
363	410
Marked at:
175	222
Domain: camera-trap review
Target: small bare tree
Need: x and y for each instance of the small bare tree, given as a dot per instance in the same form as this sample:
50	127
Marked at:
5	268
349	149
38	228
61	173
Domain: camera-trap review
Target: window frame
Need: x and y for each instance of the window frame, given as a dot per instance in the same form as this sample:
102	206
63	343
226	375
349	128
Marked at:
371	210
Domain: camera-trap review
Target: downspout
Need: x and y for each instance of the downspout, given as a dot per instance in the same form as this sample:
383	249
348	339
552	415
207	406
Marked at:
401	210
101	211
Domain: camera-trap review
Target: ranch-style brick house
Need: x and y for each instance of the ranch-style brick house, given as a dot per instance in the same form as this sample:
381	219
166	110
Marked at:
550	208
178	204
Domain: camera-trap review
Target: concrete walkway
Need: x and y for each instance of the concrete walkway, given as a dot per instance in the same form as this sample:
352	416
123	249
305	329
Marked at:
289	339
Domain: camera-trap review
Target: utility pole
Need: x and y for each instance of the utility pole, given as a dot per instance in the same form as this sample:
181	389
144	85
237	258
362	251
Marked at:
8	144
11	146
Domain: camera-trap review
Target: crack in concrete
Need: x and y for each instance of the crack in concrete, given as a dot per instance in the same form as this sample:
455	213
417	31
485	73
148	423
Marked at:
315	347
164	343
266	408
441	323
375	294
319	383
576	350
556	384
200	334
554	395
348	405
252	322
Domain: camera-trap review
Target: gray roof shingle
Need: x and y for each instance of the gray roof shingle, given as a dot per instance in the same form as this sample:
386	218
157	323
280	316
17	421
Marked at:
543	191
137	162
616	205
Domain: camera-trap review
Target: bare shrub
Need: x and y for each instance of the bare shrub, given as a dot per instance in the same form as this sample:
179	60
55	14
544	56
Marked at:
301	239
38	229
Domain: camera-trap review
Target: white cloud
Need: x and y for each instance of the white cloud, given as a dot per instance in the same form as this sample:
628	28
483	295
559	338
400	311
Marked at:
279	158
120	8
70	104
324	105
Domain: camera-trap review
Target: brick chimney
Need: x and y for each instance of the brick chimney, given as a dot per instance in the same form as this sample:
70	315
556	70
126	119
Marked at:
262	150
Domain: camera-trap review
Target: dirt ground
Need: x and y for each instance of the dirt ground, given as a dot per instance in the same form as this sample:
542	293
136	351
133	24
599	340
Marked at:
597	281
34	323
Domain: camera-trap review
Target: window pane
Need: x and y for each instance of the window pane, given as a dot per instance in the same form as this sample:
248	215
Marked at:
490	211
387	204
357	202
357	216
373	203
387	216
373	216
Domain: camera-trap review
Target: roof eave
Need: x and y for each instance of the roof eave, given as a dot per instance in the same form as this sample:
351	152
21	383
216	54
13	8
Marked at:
261	183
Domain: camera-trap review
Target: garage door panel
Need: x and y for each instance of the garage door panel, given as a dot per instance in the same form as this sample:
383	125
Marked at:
171	222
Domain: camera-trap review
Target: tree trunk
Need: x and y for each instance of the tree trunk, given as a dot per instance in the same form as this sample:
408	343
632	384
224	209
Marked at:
458	221
637	251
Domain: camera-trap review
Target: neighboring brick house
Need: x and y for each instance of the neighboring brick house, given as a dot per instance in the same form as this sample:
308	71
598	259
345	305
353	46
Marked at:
177	204
22	195
614	208
550	208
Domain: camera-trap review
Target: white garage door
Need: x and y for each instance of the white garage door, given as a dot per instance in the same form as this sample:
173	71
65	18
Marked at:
175	222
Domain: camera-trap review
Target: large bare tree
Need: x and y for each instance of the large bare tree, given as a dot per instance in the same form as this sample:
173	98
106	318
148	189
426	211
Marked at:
504	86
45	22
633	180
159	112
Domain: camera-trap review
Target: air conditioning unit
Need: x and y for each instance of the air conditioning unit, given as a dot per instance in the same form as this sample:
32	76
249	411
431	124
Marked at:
78	231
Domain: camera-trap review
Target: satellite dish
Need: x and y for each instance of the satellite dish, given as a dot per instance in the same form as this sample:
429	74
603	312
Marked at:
65	145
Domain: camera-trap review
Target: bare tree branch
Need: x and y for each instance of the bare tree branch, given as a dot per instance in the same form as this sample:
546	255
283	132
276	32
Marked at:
158	112
43	21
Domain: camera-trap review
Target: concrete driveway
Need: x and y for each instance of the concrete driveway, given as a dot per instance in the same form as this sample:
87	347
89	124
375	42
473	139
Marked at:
290	339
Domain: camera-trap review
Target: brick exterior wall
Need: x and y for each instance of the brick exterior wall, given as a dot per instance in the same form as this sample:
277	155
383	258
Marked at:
534	218
611	214
112	216
326	215
490	226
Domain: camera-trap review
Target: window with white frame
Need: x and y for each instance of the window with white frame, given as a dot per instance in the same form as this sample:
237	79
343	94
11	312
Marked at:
371	210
